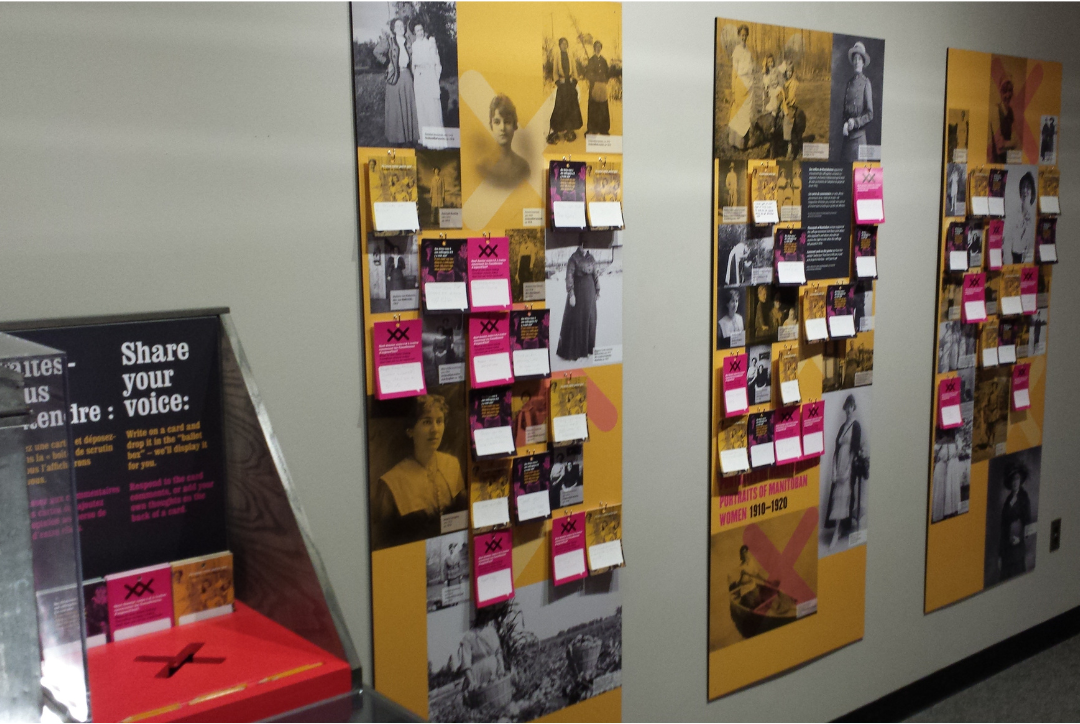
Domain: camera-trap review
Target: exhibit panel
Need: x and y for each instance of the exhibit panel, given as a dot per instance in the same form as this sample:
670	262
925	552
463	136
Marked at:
797	202
999	212
489	147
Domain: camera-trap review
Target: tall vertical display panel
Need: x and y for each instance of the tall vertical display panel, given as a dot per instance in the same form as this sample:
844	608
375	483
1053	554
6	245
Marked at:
999	210
489	142
798	200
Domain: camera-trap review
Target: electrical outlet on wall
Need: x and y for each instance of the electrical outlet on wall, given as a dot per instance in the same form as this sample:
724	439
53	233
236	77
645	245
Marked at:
1055	534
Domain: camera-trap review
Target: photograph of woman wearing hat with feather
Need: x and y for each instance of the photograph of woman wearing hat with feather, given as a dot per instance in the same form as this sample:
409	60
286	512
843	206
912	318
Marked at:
855	105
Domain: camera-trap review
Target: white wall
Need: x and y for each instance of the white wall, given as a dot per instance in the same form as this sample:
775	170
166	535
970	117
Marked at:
160	157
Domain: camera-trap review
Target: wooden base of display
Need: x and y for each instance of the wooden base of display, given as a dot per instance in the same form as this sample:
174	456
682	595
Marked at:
239	667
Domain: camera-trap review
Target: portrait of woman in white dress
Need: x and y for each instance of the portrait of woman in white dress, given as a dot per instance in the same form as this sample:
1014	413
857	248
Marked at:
427	69
742	84
949	474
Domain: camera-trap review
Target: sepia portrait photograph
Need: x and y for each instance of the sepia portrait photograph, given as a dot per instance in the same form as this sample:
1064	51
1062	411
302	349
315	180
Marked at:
527	282
845	471
990	424
584	294
583	66
438	176
958	125
1012	514
855	113
1006	110
416	462
734	194
753	591
771	90
405	74
393	273
859	364
521	659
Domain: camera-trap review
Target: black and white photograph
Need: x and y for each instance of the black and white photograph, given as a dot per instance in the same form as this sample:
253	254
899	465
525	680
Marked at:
584	294
447	570
951	483
734	194
1048	140
789	190
773	313
957	346
545	649
527	283
1039	329
855	106
974	240
990	425
951	296
567	476
744	254
864	305
845	471
405	74
772	90
393	273
438	175
956	189
1012	514
1021	215
416	461
759	374
731	321
443	349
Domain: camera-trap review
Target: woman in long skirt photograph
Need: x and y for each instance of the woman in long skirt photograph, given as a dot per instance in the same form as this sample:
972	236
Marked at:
566	116
400	105
577	337
427	70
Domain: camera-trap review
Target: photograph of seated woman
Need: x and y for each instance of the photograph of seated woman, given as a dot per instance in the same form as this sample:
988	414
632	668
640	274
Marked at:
410	498
503	168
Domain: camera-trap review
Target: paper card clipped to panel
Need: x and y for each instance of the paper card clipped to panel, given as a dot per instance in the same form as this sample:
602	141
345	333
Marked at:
494	441
487	513
569	214
734	461
395	216
605	214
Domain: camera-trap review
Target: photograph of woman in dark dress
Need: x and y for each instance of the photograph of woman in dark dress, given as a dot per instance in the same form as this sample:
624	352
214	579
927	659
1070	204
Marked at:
1012	510
410	498
577	337
400	102
566	116
850	467
858	104
1004	137
597	75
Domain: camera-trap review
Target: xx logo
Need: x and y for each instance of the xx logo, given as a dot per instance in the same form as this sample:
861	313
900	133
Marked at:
869	175
736	364
569	526
786	415
814	411
495	544
139	589
950	386
398	334
488	326
973	282
487	250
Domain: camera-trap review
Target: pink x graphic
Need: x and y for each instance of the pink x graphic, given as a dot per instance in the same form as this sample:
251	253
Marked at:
781	566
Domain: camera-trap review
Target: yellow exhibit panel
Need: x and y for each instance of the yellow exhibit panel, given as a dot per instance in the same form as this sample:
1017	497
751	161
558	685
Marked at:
798	203
998	245
489	150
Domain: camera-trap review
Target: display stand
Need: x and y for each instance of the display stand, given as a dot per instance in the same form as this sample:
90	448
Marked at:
286	645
